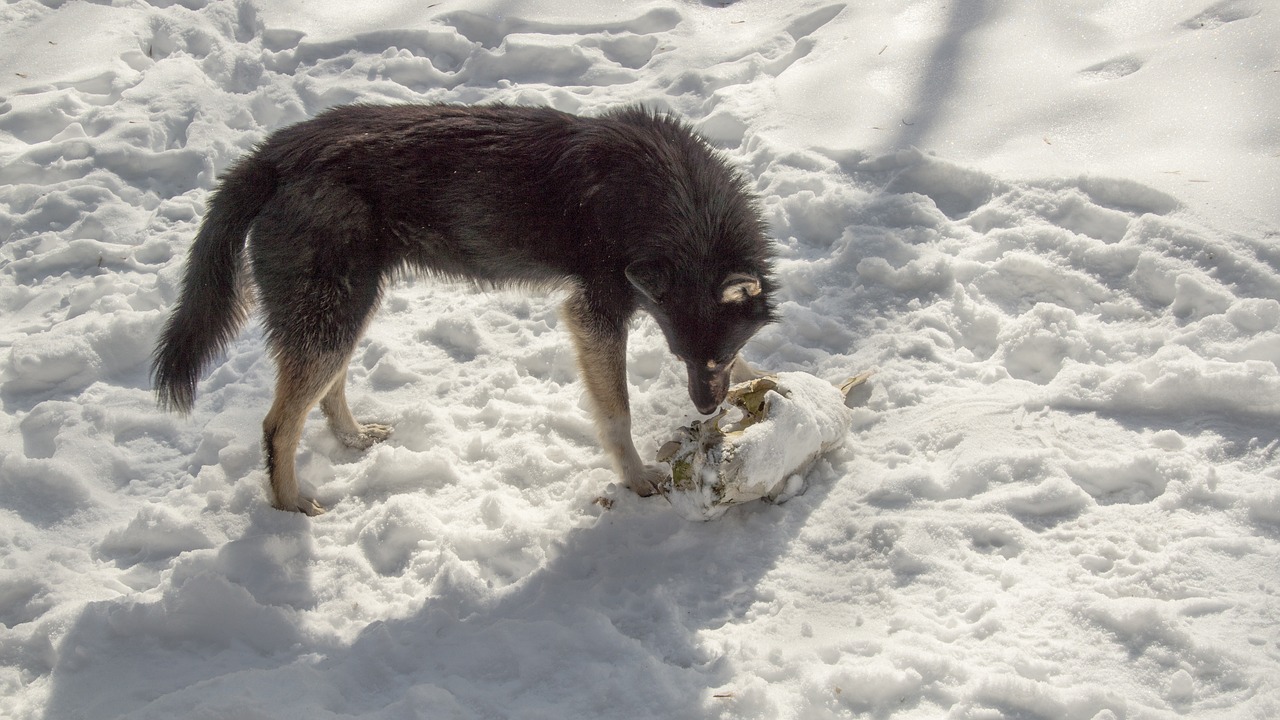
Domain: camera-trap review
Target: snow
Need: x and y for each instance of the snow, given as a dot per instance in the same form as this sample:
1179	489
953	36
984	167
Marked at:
1052	228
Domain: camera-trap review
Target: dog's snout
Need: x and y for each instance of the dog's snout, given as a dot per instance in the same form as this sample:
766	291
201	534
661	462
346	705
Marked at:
706	399
707	388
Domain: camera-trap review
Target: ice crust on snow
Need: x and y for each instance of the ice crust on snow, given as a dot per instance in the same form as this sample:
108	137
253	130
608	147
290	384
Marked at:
1051	228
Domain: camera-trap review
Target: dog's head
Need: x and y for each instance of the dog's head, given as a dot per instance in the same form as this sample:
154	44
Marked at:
706	319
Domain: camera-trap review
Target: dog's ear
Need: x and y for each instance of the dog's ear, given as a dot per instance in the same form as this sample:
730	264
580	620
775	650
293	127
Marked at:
650	279
739	287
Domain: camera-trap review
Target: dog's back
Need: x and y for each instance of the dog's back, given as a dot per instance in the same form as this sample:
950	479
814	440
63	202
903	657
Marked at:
505	193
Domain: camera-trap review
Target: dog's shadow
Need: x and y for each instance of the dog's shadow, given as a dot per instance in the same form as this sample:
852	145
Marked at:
614	623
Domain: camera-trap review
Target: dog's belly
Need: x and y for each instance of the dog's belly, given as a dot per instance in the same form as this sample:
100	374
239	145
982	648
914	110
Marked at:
489	255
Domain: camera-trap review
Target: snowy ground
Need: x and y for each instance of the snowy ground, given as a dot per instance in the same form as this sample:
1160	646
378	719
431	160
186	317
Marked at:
1052	227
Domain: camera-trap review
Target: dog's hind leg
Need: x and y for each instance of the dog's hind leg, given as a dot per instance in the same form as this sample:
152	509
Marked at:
299	384
359	436
602	359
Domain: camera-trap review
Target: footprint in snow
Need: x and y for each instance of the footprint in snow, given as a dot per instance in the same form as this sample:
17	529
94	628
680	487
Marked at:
1114	68
1221	13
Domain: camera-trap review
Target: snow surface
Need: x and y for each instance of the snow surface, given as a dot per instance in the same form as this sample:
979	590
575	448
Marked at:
1052	227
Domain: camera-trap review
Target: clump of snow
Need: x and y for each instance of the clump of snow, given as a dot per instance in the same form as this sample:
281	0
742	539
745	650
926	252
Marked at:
1052	228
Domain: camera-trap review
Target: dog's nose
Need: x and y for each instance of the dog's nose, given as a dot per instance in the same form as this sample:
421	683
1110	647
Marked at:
709	402
707	409
706	389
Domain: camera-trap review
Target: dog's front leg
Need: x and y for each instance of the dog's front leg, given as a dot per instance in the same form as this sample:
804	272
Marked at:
602	360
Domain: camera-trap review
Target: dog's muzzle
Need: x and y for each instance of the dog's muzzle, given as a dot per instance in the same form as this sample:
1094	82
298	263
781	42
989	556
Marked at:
708	386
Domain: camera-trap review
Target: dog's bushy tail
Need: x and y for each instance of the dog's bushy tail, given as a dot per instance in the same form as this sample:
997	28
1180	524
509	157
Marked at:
212	304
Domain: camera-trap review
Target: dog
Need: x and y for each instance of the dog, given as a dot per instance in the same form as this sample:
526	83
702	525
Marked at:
629	210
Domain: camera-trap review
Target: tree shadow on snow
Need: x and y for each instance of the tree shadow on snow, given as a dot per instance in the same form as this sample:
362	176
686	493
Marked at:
941	73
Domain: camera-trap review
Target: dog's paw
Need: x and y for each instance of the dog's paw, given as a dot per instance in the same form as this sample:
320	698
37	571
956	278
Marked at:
308	506
370	434
647	479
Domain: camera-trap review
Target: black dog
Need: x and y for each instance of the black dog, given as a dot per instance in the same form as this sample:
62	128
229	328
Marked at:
628	210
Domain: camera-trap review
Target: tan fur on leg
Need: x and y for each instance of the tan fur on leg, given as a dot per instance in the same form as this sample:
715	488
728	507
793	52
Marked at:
602	359
298	386
343	423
